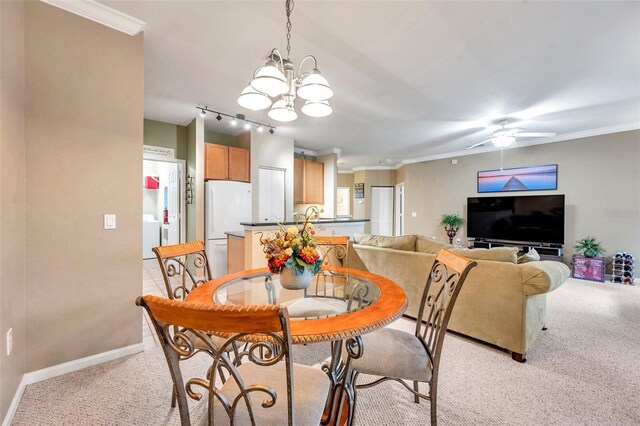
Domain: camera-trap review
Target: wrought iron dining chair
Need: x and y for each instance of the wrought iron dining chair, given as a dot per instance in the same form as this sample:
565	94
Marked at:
184	267
266	389
401	356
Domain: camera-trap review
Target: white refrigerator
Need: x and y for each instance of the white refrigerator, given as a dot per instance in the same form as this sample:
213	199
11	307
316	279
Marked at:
227	203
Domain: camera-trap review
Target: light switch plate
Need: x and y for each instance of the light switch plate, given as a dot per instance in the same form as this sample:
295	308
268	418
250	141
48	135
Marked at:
9	341
109	221
414	214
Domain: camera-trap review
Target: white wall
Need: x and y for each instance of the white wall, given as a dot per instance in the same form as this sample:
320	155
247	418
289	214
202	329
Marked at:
271	151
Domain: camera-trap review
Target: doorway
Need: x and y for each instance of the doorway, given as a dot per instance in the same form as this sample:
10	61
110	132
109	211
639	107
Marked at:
382	210
271	197
163	204
399	209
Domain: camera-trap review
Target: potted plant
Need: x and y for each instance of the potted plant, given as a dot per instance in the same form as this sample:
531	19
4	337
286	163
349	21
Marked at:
588	263
292	253
589	247
451	223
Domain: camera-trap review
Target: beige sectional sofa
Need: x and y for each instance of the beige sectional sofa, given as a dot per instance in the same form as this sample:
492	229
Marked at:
502	302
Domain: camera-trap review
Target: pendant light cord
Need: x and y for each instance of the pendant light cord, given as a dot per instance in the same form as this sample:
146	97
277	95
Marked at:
289	8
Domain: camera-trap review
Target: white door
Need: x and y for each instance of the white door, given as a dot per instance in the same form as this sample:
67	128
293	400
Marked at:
271	184
382	210
400	209
173	204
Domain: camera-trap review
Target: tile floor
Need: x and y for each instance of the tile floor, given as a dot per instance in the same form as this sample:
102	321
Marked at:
152	283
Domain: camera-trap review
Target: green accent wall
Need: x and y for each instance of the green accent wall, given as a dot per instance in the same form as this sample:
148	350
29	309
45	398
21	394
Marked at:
220	139
166	135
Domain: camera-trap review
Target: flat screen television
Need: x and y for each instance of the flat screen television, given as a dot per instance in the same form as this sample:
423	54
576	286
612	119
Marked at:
526	219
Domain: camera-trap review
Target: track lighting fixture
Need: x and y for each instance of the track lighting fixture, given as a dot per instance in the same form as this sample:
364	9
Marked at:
235	119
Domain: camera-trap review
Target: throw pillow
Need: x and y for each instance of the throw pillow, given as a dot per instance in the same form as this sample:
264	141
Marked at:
404	242
429	245
531	256
497	254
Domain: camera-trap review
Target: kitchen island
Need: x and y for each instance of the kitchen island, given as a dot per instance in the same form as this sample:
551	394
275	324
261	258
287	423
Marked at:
253	254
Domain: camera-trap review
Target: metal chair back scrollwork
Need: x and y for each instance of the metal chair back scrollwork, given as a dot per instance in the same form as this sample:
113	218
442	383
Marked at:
445	280
442	288
184	267
239	400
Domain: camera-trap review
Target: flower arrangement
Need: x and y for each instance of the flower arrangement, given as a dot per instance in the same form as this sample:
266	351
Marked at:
293	248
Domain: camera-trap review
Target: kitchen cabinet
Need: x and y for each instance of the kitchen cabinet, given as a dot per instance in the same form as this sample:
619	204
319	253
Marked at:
226	163
308	182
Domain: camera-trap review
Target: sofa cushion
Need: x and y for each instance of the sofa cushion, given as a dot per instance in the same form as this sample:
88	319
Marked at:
497	254
531	256
404	242
429	245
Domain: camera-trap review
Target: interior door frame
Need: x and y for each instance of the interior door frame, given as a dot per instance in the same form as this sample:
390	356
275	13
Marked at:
182	203
399	209
392	205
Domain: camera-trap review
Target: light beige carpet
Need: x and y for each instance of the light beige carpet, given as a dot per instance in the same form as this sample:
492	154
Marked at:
584	370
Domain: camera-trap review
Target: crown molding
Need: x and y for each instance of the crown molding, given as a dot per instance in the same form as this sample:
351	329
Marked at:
366	168
101	14
345	172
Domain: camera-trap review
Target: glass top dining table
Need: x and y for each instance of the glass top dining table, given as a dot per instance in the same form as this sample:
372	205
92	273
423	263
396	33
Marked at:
340	302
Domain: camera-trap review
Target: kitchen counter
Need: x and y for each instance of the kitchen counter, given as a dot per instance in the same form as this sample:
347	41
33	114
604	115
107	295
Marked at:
255	231
239	234
252	225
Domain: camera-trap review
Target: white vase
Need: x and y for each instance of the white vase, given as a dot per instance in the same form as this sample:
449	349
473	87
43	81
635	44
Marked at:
291	281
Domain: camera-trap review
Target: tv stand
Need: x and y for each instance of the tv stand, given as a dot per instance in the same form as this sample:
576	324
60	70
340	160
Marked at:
546	251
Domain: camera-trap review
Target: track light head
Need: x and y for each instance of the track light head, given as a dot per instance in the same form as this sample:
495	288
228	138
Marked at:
203	113
233	122
218	117
271	130
260	128
247	125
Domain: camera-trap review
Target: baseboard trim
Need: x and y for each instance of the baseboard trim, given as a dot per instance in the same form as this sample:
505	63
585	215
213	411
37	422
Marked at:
64	368
11	412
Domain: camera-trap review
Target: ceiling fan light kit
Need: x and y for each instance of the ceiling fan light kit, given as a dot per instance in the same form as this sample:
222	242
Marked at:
505	137
276	85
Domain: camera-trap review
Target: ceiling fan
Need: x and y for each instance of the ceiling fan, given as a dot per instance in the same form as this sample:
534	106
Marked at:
504	137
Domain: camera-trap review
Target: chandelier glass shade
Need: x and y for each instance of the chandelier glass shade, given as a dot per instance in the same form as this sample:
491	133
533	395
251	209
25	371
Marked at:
253	99
276	85
283	111
317	109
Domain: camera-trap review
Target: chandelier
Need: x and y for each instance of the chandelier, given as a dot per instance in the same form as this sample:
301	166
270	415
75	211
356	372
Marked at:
276	85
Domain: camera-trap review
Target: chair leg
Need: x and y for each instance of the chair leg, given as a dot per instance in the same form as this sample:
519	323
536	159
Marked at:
416	398
433	398
518	357
174	397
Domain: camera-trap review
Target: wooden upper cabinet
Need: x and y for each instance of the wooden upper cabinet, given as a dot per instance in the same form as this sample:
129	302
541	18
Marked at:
308	177
314	182
216	161
298	179
223	162
239	164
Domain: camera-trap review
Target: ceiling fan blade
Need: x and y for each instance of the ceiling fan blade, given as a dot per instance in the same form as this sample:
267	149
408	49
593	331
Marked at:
534	135
478	144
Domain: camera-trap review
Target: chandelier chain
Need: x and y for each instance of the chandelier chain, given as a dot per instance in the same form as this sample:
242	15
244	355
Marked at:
289	7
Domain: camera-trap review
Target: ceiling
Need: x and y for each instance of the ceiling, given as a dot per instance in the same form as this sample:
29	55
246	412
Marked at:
411	79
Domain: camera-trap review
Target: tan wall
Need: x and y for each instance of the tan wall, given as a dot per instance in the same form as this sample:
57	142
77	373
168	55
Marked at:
598	175
12	198
195	170
85	100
